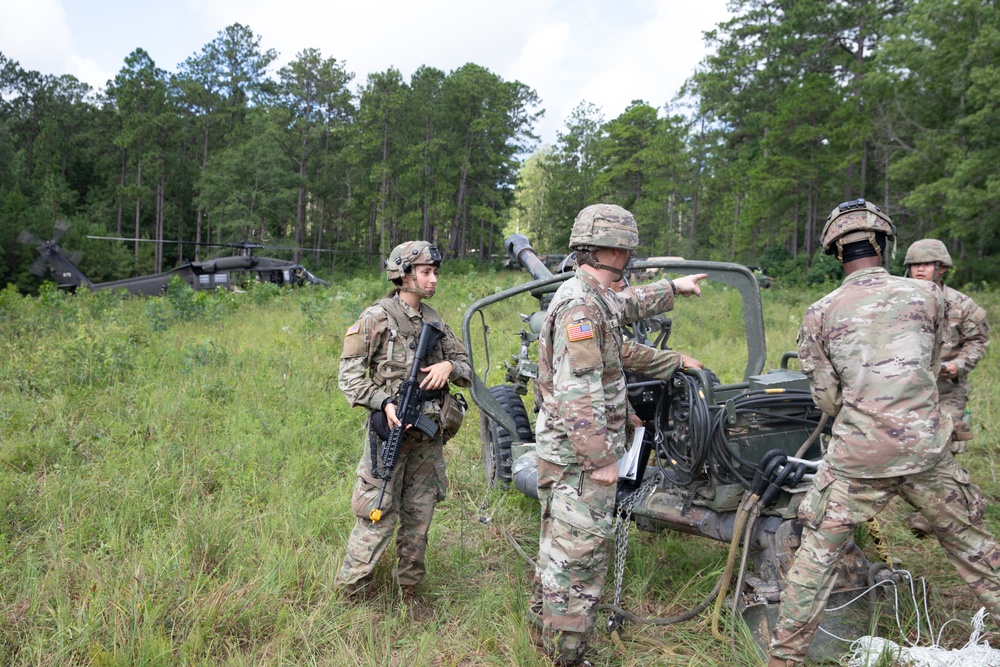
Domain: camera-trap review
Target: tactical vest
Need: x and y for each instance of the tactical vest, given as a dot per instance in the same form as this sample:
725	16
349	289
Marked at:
391	372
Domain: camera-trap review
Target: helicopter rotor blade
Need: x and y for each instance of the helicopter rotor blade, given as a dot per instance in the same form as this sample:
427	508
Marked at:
61	227
122	238
175	241
27	238
39	267
75	257
281	247
242	245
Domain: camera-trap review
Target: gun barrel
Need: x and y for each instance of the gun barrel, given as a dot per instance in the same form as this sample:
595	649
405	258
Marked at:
519	250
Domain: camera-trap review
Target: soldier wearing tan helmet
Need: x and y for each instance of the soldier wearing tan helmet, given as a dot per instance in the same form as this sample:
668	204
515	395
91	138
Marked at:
871	351
581	427
966	338
377	356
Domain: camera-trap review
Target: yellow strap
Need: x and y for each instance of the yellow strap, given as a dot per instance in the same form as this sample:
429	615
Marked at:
878	540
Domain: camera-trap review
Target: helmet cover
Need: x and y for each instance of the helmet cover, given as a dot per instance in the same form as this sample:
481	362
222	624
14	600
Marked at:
928	251
604	226
855	220
407	255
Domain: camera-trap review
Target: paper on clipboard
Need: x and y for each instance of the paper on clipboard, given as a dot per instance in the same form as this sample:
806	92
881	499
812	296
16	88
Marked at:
628	464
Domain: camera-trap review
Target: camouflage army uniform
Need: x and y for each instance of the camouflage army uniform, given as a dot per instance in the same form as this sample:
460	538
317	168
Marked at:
871	351
582	427
375	360
966	338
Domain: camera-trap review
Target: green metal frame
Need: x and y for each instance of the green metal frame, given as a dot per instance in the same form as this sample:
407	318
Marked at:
736	275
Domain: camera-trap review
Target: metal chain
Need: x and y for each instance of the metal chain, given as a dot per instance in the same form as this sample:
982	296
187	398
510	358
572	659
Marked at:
623	525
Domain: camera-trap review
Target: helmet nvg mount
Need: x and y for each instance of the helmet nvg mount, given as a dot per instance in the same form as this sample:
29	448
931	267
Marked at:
407	255
856	220
604	226
928	251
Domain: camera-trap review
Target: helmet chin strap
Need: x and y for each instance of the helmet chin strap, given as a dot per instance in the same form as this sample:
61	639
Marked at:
589	259
424	294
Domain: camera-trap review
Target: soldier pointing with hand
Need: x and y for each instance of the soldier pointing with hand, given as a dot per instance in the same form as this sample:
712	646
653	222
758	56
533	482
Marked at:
580	431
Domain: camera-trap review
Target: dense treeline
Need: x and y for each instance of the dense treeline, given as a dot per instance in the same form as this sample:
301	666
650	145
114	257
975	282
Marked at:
223	150
800	105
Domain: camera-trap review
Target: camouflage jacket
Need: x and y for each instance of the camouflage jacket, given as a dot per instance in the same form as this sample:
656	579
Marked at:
871	350
967	334
377	356
649	361
580	368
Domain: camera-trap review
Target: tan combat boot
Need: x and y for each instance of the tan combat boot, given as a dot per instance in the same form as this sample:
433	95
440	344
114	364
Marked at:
359	590
417	606
920	526
779	662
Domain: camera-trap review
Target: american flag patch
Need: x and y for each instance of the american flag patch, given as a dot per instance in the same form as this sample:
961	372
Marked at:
355	328
580	331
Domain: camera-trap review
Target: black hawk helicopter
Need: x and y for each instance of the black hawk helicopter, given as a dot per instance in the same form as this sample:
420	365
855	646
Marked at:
222	272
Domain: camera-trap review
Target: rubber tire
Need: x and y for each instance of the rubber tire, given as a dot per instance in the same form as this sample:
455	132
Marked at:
497	459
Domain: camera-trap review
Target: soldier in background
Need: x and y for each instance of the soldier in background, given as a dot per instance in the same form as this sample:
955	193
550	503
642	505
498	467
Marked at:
581	427
966	337
376	359
871	350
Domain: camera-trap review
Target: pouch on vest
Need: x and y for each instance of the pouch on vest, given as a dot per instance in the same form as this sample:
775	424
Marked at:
453	408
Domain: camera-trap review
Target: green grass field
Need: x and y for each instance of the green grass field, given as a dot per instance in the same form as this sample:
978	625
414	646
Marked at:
175	476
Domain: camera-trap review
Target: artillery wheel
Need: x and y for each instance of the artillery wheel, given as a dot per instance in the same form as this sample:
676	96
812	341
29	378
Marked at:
496	441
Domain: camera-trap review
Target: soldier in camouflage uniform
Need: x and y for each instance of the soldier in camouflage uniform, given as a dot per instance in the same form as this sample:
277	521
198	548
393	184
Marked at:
376	359
871	350
581	427
966	336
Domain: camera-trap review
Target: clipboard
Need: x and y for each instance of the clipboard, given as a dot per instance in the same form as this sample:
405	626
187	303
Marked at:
628	464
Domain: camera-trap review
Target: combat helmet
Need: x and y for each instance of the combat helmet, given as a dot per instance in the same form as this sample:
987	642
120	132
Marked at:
928	251
407	255
856	220
604	226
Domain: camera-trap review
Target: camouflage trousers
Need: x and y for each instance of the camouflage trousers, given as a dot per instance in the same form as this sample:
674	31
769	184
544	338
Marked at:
835	505
954	397
573	555
418	483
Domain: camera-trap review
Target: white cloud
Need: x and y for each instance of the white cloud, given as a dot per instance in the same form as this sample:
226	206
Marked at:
87	69
568	51
541	66
372	37
35	34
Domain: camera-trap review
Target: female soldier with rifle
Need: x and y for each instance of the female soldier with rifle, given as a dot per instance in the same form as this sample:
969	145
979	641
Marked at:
406	479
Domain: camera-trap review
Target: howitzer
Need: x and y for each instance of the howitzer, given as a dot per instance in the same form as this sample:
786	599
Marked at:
702	447
409	400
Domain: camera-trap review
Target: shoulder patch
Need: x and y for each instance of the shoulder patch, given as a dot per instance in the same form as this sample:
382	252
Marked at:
581	330
353	329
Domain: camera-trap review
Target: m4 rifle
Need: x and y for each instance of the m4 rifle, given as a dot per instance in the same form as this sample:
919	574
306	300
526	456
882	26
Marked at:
410	401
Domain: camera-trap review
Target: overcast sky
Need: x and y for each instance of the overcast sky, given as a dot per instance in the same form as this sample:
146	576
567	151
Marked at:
604	52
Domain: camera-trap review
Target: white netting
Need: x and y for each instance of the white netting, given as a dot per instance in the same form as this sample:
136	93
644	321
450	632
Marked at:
866	651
